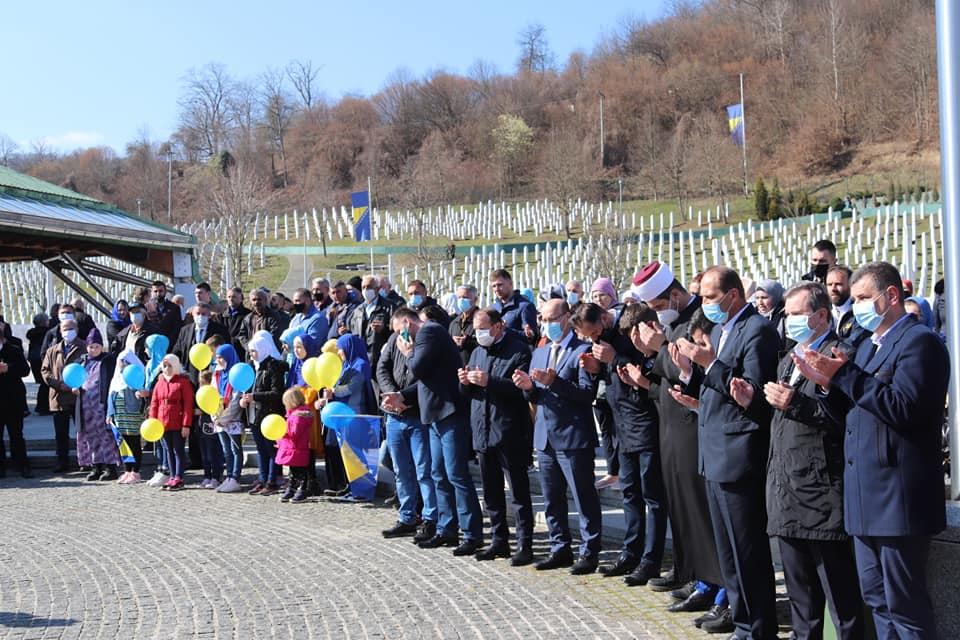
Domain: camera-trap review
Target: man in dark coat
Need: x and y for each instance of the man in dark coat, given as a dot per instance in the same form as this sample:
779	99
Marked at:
67	350
892	395
13	367
823	257
565	437
805	481
35	336
734	441
502	432
341	311
166	315
262	318
518	313
461	326
371	320
134	336
616	361
232	318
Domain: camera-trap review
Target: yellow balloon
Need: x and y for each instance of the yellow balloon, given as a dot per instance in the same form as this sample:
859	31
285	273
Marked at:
310	372
328	370
273	427
151	430
208	399
200	356
330	346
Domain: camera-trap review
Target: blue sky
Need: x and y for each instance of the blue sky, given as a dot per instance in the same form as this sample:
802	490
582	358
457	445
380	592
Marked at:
96	73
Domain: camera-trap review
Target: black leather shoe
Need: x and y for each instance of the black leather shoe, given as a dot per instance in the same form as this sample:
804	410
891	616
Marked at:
641	575
110	473
399	530
25	471
722	624
439	541
427	529
94	475
666	582
715	612
623	565
698	601
522	557
468	548
498	550
684	592
584	566
556	560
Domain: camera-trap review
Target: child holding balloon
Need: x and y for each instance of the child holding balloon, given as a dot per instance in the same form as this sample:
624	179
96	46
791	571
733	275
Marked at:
156	347
228	418
171	402
125	411
304	348
96	446
293	449
211	454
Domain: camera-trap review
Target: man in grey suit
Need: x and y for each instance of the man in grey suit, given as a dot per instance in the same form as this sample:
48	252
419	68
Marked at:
565	437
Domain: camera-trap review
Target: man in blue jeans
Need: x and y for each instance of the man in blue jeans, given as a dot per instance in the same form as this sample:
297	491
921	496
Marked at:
408	441
434	359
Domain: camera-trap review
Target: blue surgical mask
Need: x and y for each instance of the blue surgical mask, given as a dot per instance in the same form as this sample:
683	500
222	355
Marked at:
464	304
203	321
416	300
866	314
798	329
553	331
714	313
573	297
137	318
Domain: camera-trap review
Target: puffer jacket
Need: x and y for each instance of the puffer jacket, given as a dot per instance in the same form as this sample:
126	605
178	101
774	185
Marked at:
172	402
54	361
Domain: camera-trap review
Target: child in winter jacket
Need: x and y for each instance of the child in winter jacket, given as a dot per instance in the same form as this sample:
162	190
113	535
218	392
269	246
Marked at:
293	449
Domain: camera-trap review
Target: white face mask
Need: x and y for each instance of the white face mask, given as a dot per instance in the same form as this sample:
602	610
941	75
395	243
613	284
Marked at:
668	316
484	339
70	335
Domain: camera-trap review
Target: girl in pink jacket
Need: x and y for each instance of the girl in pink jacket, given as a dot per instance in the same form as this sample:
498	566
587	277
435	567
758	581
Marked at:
293	449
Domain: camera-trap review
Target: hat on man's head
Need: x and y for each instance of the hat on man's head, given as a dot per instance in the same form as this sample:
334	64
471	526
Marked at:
652	280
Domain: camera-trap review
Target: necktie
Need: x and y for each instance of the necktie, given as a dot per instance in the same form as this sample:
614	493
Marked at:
554	352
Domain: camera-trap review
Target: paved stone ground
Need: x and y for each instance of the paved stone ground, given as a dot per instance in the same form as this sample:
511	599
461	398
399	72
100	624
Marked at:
98	560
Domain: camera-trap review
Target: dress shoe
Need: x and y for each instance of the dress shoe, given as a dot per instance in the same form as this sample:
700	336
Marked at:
270	489
698	601
400	529
715	612
684	592
468	547
495	550
439	541
584	566
666	582
256	489
522	557
722	624
623	565
643	574
94	475
109	474
426	530
556	560
336	493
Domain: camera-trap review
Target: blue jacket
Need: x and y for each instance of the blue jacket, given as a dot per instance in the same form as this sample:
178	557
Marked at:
314	323
434	362
517	312
894	405
733	441
564	409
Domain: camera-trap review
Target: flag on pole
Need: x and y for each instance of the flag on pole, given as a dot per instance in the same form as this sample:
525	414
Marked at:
735	122
361	215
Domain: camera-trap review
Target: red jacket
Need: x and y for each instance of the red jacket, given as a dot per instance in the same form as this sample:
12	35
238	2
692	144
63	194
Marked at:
294	448
172	402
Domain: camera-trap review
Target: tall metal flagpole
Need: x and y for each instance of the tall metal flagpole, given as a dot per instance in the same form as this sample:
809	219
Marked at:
743	137
948	72
370	214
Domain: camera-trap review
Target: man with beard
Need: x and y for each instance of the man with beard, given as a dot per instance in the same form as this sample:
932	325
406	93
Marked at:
841	310
167	315
823	257
262	318
320	294
232	318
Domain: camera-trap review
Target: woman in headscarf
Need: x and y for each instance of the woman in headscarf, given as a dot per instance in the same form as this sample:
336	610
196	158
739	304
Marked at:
126	412
119	320
921	310
156	347
305	347
171	402
265	398
96	446
768	299
228	423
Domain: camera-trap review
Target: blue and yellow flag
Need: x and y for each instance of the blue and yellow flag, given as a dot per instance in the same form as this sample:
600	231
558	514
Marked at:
361	215
359	440
735	122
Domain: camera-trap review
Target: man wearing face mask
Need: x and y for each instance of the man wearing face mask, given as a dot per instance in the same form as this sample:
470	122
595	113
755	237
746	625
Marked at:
262	318
67	350
462	326
565	438
85	323
502	432
387	293
891	397
573	292
64	312
734	439
371	320
134	336
823	257
805	502
417	297
197	332
320	294
307	318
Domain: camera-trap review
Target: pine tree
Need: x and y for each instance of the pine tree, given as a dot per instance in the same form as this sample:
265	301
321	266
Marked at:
760	203
776	201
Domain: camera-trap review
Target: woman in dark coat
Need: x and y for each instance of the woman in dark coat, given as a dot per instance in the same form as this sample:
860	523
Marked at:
265	398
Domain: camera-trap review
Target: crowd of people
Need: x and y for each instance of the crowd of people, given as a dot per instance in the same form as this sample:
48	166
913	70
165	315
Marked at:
736	411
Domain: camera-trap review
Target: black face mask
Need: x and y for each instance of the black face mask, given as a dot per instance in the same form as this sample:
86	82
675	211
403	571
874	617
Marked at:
319	296
299	307
820	270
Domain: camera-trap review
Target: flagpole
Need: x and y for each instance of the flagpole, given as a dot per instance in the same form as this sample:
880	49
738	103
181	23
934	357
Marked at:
370	213
743	129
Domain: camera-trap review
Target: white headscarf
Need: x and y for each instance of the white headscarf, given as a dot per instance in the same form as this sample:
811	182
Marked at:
262	342
175	367
117	383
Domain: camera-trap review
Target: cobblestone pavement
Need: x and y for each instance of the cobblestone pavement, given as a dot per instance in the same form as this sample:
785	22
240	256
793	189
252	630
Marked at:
98	560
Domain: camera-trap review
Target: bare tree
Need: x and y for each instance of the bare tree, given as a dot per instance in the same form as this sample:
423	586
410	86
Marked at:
535	54
676	161
278	114
8	148
303	77
235	199
205	110
564	172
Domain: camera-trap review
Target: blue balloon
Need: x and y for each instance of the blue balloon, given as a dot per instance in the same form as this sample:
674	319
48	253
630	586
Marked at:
134	377
336	415
242	377
74	375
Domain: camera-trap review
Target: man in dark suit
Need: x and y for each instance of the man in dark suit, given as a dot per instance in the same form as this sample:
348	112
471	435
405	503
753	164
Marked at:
823	257
805	481
371	320
434	359
565	438
502	432
232	318
194	333
740	359
13	367
462	328
892	393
